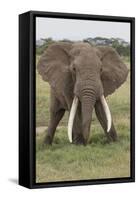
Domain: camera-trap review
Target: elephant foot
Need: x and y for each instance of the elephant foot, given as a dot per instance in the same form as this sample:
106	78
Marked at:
79	140
79	143
112	136
48	140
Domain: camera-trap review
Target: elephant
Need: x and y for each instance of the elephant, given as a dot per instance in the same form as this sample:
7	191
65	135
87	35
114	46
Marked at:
81	76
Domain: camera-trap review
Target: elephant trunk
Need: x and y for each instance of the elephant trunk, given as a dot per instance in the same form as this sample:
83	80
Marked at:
87	108
88	103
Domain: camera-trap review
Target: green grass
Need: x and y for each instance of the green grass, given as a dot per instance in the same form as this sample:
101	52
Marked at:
99	159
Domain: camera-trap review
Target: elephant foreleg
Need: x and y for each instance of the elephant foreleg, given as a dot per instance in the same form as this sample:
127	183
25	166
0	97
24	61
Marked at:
111	135
56	114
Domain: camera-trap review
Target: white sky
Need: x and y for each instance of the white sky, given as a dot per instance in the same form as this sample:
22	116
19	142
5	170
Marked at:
80	29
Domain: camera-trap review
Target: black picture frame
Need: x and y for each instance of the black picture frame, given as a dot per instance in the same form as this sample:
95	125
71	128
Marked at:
27	83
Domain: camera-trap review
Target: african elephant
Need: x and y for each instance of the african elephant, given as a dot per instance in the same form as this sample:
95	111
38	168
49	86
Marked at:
81	76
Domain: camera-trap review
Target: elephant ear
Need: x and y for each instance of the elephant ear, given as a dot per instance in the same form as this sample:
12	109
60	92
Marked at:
114	71
54	63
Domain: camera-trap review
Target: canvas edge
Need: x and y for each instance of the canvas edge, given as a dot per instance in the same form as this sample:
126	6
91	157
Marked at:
29	181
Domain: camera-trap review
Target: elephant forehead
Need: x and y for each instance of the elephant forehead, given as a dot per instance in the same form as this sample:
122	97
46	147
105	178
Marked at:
78	47
84	55
81	45
87	57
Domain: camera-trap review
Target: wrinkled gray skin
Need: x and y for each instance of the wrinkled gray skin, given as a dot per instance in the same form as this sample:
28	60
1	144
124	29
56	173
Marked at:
87	72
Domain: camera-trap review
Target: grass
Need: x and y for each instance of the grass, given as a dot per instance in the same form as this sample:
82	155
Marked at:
99	159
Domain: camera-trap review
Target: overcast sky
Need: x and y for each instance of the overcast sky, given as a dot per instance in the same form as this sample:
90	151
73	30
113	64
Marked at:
79	29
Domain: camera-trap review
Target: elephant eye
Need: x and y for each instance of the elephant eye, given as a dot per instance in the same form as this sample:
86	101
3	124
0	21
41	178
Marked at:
74	69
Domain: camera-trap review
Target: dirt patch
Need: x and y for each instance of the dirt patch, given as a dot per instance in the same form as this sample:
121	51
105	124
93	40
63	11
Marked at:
41	129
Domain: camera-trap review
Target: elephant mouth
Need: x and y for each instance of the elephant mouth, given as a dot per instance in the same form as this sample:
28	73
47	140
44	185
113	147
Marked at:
74	109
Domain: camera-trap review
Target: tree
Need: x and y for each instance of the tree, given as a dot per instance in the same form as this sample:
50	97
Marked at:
42	48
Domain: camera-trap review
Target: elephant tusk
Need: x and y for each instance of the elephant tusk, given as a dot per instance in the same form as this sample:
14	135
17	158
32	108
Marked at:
107	112
71	117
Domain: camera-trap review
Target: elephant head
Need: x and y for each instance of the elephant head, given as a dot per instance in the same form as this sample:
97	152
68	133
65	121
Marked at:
88	73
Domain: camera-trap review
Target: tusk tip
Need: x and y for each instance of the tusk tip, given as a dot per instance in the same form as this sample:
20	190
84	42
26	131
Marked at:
70	140
108	129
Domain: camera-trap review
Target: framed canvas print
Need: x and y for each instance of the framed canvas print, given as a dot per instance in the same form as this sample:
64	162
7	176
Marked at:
76	99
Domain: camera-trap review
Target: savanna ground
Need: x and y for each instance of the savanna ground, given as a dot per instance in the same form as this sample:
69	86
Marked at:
99	159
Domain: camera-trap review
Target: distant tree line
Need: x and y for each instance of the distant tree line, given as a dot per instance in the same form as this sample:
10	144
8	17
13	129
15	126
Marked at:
42	44
121	46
